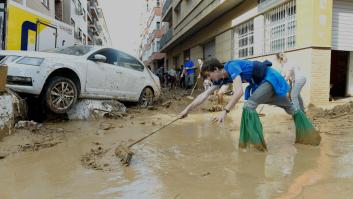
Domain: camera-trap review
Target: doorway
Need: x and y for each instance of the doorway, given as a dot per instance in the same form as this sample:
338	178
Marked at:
209	50
338	75
2	23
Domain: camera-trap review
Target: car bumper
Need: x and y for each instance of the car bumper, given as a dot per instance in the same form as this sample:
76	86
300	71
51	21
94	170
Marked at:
19	72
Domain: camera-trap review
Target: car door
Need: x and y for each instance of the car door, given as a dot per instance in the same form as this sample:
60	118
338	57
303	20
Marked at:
133	78
102	76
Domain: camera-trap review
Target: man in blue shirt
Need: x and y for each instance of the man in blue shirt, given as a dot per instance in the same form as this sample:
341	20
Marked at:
190	73
266	86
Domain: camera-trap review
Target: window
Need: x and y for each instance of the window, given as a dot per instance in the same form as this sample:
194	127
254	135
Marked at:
84	39
128	61
80	33
111	55
73	22
158	46
243	40
45	3
158	3
79	5
280	28
158	25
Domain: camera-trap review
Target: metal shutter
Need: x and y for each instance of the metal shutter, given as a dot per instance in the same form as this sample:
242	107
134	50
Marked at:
342	25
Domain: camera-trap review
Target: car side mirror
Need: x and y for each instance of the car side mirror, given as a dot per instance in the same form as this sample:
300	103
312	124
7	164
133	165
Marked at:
98	58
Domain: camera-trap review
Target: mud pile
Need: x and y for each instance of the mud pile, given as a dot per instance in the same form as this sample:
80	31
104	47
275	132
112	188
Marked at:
336	112
90	159
175	95
25	140
214	108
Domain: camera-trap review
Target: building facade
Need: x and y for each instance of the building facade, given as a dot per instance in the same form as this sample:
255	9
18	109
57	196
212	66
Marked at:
74	12
45	24
316	34
98	33
152	31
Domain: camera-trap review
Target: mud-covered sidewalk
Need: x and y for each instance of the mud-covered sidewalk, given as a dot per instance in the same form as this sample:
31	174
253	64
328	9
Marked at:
190	159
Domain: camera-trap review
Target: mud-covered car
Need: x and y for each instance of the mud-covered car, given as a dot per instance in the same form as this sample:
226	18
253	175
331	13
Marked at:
60	76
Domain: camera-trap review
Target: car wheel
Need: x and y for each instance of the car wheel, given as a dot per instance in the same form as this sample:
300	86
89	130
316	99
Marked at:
60	94
146	97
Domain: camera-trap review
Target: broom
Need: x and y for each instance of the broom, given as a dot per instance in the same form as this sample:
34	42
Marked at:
192	92
124	153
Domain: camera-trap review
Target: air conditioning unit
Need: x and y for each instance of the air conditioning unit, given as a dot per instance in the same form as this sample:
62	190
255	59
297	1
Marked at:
79	11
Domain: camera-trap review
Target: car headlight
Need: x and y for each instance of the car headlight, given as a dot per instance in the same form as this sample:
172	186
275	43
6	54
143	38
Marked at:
9	59
34	61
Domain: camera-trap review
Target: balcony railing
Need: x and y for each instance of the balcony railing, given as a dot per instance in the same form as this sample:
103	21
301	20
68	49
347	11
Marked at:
166	37
166	5
94	7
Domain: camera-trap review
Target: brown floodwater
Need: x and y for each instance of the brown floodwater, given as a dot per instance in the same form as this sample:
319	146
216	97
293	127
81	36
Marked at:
190	159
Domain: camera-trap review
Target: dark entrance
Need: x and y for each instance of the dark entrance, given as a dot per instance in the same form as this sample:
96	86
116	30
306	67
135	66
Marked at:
2	23
338	76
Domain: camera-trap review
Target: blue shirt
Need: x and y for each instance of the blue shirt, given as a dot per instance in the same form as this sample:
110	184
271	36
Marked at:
244	69
189	64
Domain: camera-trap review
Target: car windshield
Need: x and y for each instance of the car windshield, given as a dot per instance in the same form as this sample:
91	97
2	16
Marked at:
77	50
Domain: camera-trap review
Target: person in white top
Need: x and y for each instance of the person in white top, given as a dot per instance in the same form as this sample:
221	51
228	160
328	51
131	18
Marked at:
172	78
206	83
291	72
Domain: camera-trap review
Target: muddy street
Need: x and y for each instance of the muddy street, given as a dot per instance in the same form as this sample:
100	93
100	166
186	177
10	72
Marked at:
189	159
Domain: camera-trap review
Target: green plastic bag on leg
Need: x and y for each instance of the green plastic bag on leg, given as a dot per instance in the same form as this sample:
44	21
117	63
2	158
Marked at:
251	132
304	129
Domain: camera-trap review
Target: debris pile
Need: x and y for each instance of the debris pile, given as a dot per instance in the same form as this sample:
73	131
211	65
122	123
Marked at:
91	159
12	109
29	125
37	146
214	108
336	112
94	109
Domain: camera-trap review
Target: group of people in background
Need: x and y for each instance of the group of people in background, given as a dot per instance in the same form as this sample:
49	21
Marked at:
186	77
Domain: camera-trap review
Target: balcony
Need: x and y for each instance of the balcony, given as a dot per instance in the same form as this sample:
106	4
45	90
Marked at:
155	34
268	4
89	17
97	41
93	26
93	8
99	28
92	31
167	11
166	38
203	14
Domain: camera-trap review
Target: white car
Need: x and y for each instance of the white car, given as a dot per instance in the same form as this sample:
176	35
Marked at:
61	76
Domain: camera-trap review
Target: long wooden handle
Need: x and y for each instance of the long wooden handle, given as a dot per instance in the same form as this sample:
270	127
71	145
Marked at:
192	92
145	137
